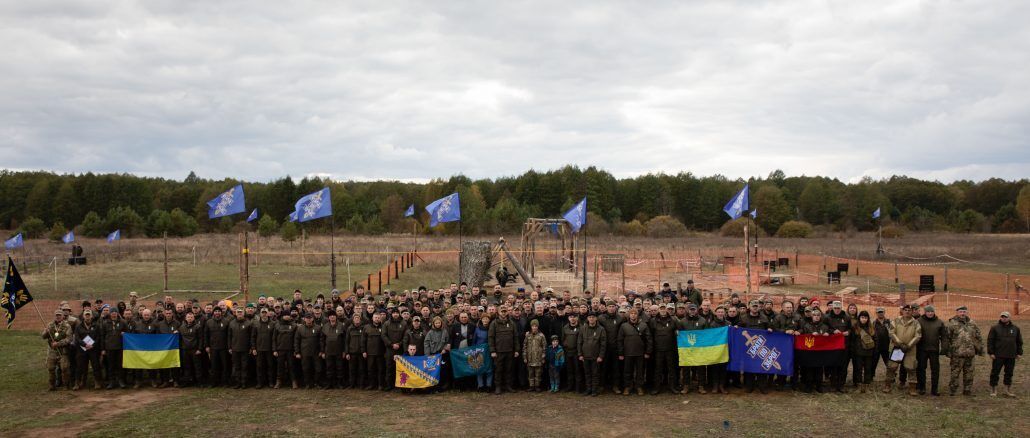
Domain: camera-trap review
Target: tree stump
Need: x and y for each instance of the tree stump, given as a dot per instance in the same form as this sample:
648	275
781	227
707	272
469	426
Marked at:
476	258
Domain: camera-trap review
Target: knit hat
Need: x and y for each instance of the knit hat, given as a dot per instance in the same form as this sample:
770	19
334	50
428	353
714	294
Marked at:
929	308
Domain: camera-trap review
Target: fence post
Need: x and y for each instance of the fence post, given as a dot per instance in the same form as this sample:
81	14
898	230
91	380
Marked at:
945	278
165	238
895	272
369	288
380	289
396	263
387	272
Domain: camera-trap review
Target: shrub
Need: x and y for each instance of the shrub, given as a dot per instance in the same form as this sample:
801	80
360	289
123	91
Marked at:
91	225
267	226
289	231
665	226
893	232
57	232
32	227
735	228
182	224
632	228
795	229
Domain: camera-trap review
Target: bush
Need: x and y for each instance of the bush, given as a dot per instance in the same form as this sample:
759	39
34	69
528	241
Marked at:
32	227
795	229
632	228
267	226
158	223
596	225
182	224
91	225
735	228
665	226
57	232
289	231
125	219
893	232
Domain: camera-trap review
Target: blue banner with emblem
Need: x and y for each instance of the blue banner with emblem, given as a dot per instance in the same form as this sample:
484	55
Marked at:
761	351
471	361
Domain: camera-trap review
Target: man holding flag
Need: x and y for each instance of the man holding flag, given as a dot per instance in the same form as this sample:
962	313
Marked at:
58	334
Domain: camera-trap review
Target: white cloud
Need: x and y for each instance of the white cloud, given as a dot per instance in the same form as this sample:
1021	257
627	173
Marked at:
413	91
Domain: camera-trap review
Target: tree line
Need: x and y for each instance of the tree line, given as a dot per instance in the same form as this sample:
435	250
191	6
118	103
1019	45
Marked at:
39	202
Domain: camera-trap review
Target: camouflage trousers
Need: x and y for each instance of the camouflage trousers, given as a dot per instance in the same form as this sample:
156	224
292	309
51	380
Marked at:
963	366
54	359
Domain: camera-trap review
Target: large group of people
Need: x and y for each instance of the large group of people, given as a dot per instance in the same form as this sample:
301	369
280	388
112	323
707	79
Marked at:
538	340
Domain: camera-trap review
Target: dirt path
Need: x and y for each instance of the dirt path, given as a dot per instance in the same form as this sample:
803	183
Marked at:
83	408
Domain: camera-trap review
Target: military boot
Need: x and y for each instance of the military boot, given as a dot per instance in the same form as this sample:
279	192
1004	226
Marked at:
887	387
66	377
96	384
912	389
1008	391
278	383
640	391
625	391
994	391
53	380
701	389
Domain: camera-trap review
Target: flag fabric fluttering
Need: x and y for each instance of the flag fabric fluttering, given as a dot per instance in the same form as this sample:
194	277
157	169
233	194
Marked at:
253	216
150	351
577	215
292	217
702	347
754	214
876	214
314	206
15	242
761	352
228	203
738	204
417	371
820	351
68	238
471	361
16	294
445	209
410	211
115	235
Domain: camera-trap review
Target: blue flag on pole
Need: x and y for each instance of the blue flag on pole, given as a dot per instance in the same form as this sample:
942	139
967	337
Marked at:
471	361
228	203
314	206
876	214
577	215
761	352
68	238
738	204
116	235
253	216
293	216
754	214
410	211
445	209
15	242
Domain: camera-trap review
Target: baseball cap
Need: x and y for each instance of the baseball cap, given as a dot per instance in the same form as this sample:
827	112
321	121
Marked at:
1005	314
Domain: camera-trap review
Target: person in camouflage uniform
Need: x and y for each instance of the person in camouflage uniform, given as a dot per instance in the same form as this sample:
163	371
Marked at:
965	342
58	335
534	350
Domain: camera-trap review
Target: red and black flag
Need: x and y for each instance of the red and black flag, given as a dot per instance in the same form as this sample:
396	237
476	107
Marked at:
820	351
15	293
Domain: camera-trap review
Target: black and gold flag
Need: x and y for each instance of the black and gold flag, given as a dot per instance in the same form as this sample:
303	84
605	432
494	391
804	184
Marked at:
15	294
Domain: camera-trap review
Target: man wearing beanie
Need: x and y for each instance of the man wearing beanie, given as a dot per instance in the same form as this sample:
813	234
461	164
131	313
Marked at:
933	344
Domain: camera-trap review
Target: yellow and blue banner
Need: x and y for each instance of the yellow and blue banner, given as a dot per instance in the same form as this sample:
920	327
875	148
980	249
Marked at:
417	371
702	347
761	351
150	352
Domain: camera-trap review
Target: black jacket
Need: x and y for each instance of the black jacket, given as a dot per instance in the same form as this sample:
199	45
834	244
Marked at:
1005	341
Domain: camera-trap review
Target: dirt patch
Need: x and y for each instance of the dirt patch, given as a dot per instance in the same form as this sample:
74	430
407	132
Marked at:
83	408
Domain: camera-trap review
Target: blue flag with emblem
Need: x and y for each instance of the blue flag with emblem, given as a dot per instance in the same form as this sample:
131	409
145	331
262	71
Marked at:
445	209
16	294
15	242
471	361
876	214
761	351
115	235
68	238
577	215
738	204
410	211
228	203
253	216
314	206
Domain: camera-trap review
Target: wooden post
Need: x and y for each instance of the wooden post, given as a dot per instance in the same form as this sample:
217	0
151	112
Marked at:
165	238
596	267
369	288
396	274
380	288
945	278
387	272
303	247
246	267
895	272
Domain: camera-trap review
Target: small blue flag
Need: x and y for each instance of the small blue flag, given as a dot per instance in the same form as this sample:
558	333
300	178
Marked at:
228	203
445	209
738	205
68	238
577	215
314	206
761	351
876	214
116	235
253	216
14	242
293	216
410	211
754	214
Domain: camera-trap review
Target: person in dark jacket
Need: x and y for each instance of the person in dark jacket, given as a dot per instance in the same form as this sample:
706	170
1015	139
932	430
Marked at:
352	352
145	325
503	337
591	346
1004	346
811	377
666	355
372	350
882	325
191	336
240	345
754	319
216	344
285	330
111	330
611	374
717	373
863	349
931	346
692	375
307	341
88	353
333	337
264	342
393	338
788	321
573	366
634	344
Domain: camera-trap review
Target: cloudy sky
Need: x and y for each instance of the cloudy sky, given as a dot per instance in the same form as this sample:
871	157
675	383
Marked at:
416	90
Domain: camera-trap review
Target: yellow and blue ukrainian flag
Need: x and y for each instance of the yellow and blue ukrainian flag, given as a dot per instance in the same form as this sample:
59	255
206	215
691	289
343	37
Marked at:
417	371
703	347
150	352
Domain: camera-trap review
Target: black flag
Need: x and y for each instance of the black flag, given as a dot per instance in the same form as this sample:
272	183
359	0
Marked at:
15	294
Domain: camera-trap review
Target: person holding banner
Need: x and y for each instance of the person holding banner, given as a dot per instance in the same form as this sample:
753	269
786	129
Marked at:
811	376
754	319
692	375
438	341
717	372
663	333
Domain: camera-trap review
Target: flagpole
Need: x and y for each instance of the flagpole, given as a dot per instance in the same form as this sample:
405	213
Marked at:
747	261
332	247
461	253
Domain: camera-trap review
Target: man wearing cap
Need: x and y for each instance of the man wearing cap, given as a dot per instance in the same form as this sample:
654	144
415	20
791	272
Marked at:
393	338
592	341
240	342
88	352
263	337
503	339
692	376
964	342
881	326
933	344
573	365
372	350
754	319
663	332
352	351
284	333
838	321
308	343
610	320
1004	345
145	325
905	333
634	344
58	335
790	322
216	345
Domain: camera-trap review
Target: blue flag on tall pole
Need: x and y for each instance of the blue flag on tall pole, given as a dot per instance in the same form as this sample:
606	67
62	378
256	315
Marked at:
15	242
876	214
253	216
115	235
68	238
314	206
761	352
228	203
754	214
577	215
445	209
410	211
738	205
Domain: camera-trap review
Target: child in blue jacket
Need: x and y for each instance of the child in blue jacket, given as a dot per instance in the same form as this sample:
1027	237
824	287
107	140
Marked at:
555	362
